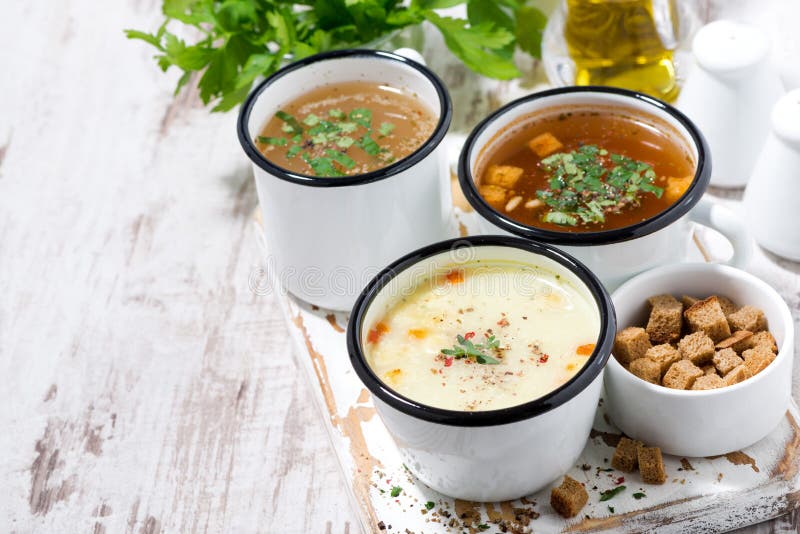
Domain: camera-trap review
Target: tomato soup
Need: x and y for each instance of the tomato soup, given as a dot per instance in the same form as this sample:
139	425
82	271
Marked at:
483	336
585	170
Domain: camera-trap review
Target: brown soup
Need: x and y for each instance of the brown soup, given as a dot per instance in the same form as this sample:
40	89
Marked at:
580	170
346	129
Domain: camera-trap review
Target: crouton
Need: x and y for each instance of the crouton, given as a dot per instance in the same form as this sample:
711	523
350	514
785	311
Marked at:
646	369
626	455
651	465
682	374
665	354
630	344
493	194
502	176
697	348
676	187
765	339
739	341
748	318
569	498
726	360
757	359
688	301
709	381
707	316
738	374
665	323
727	305
545	144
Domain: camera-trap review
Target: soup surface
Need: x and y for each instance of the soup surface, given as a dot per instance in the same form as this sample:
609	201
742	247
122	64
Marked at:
346	129
581	170
483	337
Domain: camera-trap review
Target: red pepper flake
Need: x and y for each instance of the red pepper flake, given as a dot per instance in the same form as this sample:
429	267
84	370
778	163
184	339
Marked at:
502	322
469	335
543	358
375	335
448	361
619	481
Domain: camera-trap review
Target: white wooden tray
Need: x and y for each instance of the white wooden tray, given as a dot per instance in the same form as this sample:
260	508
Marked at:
701	494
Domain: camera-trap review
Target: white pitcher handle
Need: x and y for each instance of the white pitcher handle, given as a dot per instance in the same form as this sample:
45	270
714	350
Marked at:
726	222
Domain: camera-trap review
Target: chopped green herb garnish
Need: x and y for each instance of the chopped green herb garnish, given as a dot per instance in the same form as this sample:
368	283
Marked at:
587	184
361	116
639	495
483	526
466	349
386	128
322	166
610	494
345	141
429	505
277	141
348	127
311	120
341	158
611	509
368	145
292	152
336	113
291	126
396	491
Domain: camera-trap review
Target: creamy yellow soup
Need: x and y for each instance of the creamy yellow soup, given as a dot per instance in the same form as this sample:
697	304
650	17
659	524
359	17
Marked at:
483	337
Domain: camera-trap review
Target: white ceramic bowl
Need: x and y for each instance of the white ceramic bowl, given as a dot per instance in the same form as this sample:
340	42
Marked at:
491	455
711	422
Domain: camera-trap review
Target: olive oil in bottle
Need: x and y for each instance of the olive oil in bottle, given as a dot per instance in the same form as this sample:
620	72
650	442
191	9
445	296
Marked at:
624	43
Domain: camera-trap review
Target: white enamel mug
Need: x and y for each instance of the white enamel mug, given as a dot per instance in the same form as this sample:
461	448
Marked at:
613	255
328	236
491	455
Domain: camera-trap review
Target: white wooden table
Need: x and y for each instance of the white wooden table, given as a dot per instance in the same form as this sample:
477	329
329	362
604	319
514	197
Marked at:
145	386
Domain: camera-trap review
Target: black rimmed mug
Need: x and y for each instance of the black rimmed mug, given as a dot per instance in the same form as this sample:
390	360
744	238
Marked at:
328	236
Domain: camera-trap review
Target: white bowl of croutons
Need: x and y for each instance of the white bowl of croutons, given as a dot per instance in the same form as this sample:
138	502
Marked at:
702	361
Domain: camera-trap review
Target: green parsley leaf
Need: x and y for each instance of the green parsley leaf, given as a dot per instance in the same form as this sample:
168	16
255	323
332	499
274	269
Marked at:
386	128
276	141
611	509
610	494
361	116
639	495
396	490
466	349
483	526
291	122
321	166
368	145
557	217
336	113
429	505
348	127
341	158
293	151
311	120
344	141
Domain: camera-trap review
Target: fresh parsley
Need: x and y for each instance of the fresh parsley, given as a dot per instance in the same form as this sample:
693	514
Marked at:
467	349
587	184
610	494
242	40
396	490
429	505
639	495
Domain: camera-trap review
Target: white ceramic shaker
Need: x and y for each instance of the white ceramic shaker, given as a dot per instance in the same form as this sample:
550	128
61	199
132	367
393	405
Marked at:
772	198
729	93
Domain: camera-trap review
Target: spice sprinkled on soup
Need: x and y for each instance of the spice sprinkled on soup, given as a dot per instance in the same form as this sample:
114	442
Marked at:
483	337
586	171
346	129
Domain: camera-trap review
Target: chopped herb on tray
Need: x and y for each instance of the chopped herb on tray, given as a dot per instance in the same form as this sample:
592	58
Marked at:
610	494
639	495
588	183
396	491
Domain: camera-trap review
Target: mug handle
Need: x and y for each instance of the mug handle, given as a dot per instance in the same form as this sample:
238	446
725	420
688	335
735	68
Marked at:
725	221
